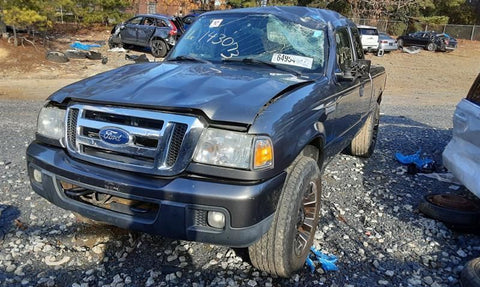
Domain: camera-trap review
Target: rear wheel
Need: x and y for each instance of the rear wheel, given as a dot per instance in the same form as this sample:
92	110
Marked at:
363	144
159	48
284	248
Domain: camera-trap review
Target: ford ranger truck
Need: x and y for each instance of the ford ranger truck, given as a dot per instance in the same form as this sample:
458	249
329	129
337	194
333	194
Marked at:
224	141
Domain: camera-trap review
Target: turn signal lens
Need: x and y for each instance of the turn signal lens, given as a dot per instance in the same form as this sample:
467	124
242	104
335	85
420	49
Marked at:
263	156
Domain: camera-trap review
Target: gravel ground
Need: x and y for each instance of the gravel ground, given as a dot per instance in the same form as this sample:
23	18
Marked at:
369	221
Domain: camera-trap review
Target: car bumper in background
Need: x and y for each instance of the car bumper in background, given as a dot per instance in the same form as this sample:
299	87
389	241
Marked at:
462	154
388	47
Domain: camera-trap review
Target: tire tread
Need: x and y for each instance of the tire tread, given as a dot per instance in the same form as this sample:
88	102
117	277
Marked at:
270	253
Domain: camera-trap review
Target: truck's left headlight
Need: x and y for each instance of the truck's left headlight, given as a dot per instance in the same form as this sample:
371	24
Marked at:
234	149
51	122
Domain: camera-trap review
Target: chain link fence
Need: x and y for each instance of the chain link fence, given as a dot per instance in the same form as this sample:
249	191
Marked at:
397	28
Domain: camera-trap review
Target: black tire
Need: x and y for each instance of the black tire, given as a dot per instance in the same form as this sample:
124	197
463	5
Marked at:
94	55
57	57
284	248
400	43
431	47
75	54
363	144
159	48
445	208
113	44
470	276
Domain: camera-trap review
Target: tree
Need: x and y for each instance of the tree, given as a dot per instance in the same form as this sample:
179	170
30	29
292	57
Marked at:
100	11
24	14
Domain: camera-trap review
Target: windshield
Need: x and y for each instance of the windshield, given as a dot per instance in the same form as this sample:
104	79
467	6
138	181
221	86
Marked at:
263	37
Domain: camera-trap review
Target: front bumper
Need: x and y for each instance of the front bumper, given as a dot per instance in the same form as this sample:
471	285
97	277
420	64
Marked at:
181	203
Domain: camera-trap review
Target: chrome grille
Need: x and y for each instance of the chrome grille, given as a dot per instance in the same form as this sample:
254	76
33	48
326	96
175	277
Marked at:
176	143
160	143
71	126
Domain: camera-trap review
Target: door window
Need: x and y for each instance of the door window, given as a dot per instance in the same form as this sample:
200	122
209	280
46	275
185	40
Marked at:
357	44
149	22
344	49
135	21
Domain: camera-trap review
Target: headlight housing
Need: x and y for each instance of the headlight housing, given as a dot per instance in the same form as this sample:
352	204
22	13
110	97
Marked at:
234	149
51	123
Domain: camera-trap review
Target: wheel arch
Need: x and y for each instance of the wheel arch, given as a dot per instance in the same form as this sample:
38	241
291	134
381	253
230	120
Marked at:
314	147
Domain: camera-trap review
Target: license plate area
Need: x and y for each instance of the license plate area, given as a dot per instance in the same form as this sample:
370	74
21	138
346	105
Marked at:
141	209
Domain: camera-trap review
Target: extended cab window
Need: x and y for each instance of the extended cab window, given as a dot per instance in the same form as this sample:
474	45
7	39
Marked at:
474	94
344	49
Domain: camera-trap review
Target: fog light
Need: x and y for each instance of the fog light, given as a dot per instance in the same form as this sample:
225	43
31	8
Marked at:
37	175
216	219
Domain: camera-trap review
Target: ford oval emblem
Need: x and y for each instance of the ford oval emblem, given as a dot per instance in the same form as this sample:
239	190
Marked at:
114	136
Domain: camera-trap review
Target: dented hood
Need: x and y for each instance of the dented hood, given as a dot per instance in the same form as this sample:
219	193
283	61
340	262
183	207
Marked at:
227	93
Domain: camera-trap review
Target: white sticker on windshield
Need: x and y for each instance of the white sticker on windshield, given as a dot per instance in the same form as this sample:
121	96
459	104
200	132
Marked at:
293	60
216	23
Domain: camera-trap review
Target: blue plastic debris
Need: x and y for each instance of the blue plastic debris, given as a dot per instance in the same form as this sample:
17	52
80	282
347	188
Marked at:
86	47
310	264
327	261
420	163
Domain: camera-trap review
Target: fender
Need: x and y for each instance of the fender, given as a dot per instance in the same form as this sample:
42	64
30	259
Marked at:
292	123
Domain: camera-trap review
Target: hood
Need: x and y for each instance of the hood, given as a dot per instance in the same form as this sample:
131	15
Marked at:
226	93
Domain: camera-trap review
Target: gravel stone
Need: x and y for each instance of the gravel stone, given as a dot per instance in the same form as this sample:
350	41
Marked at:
428	280
462	253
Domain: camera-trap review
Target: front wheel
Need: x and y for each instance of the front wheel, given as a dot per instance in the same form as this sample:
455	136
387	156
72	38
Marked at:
159	48
284	248
431	47
400	43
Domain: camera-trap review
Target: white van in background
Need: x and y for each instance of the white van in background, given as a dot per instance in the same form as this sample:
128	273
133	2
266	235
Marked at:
369	37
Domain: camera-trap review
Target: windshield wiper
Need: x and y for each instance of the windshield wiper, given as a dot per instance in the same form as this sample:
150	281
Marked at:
269	64
189	58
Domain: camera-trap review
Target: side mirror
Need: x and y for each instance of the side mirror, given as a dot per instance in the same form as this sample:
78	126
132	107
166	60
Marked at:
188	20
363	67
357	69
122	26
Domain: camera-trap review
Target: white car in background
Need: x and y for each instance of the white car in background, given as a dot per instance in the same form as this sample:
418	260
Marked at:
369	37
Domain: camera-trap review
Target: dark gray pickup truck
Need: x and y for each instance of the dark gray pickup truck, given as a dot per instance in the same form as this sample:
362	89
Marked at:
224	141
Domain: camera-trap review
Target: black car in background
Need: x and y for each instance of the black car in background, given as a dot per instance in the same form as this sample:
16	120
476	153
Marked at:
156	31
429	40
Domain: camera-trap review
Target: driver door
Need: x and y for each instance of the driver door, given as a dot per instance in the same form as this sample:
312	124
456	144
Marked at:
347	107
129	31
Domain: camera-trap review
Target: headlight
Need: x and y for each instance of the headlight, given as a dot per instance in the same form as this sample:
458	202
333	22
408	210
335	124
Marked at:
234	149
51	122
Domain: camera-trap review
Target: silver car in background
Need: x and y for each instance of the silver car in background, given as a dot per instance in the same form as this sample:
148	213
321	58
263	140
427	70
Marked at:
462	154
386	43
